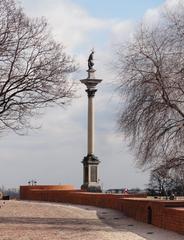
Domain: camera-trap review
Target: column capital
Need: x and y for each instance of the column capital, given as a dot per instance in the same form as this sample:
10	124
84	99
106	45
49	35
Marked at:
91	92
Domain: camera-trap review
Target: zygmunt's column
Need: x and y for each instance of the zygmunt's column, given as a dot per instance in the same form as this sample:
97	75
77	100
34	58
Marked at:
91	94
91	162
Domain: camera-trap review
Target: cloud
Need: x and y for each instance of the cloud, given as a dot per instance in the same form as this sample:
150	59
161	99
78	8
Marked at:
153	16
70	22
121	31
172	3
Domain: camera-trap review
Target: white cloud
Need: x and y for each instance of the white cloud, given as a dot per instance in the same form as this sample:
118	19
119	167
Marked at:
71	24
151	17
172	3
122	31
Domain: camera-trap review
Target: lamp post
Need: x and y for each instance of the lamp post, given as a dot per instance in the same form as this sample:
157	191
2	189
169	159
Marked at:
32	182
91	162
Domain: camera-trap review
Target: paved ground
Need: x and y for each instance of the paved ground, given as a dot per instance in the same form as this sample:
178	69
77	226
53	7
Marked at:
49	221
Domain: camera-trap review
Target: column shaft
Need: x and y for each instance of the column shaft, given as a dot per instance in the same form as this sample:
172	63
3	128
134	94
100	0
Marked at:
90	125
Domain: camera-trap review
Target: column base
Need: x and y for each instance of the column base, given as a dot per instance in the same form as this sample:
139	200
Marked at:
91	180
91	187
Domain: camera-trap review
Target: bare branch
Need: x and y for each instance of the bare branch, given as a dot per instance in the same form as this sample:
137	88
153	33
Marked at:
33	67
152	81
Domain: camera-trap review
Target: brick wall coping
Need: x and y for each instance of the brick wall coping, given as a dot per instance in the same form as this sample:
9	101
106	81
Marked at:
55	190
49	187
176	208
82	193
154	200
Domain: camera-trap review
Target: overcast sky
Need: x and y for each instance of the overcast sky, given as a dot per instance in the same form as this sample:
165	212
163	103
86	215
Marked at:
53	153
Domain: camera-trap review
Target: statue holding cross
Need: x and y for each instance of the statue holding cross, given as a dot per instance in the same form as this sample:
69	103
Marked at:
90	60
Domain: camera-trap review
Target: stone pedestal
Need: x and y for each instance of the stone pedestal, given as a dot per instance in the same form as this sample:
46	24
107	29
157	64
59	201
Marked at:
91	162
90	174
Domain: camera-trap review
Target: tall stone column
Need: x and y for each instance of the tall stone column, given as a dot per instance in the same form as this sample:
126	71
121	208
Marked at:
91	162
91	94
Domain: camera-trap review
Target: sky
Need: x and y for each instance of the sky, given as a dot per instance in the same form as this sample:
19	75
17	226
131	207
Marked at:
53	153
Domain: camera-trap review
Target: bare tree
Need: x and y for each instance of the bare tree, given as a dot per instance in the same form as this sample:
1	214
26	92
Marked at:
177	175
160	182
165	181
151	70
33	68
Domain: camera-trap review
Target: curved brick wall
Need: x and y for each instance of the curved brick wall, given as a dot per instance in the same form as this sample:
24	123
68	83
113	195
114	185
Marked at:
25	191
50	187
164	214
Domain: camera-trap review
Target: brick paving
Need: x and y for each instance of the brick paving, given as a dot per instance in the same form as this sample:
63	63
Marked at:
21	220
